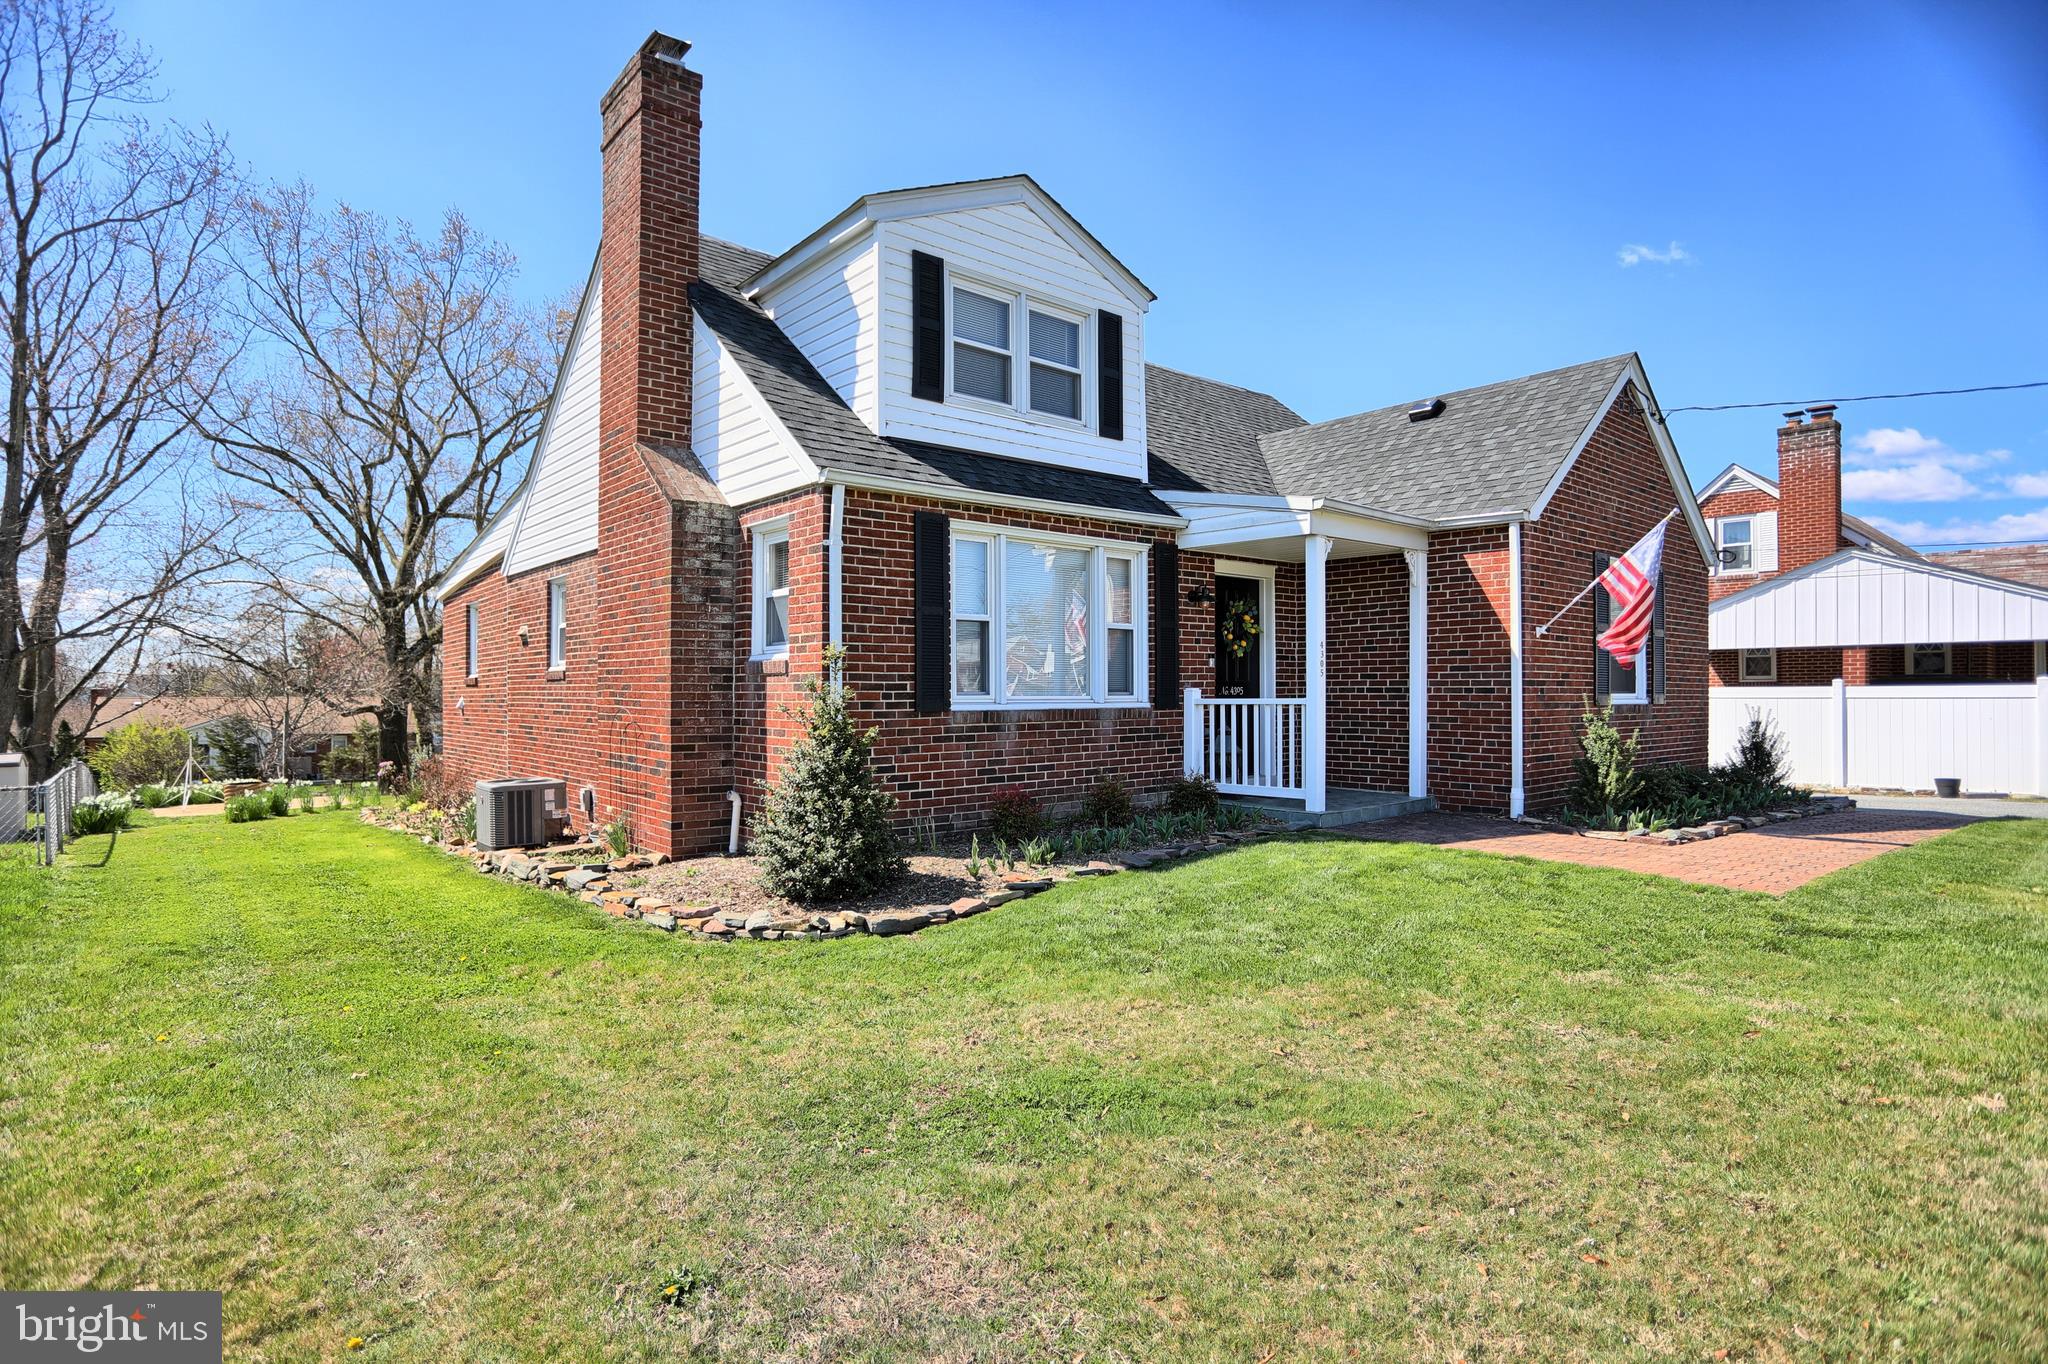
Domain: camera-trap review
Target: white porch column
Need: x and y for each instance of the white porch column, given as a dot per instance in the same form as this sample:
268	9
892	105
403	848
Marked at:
1418	672
1315	796
2040	723
1517	799
1193	762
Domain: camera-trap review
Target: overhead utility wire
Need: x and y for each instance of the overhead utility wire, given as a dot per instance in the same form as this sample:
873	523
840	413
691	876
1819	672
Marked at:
1864	398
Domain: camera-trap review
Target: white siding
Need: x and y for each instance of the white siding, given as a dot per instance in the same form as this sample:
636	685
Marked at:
1009	244
1864	597
744	448
494	538
832	314
559	519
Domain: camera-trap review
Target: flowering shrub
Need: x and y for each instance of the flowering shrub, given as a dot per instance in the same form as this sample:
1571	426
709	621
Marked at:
101	814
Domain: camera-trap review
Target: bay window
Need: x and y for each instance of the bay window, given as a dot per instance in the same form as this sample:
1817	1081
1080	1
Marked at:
1046	621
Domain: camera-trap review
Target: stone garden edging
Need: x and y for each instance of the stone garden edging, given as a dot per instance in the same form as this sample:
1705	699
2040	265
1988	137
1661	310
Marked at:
588	876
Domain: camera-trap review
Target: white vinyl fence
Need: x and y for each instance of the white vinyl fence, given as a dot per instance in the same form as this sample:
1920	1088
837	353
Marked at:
1991	736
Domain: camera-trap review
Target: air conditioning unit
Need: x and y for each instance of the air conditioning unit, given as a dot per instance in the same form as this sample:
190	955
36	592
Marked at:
515	812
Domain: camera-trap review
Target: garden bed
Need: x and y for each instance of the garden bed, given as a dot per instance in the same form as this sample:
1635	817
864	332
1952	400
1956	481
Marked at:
724	898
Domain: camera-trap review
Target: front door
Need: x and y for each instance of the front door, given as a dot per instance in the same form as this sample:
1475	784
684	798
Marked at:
1240	637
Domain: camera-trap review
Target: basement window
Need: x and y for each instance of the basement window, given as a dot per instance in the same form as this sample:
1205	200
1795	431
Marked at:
771	590
1759	665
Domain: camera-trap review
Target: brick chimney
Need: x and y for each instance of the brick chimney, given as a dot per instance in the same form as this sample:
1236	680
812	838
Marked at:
1809	487
653	131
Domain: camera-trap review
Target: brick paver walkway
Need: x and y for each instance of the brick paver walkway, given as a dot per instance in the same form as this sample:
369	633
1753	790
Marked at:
1774	859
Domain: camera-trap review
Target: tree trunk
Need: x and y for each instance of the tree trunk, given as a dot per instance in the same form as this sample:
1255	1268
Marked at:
396	701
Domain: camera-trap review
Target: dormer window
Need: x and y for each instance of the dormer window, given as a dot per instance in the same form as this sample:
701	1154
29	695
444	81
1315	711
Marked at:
1017	351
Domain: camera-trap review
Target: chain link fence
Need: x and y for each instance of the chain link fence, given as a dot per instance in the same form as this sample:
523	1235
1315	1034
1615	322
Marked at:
41	813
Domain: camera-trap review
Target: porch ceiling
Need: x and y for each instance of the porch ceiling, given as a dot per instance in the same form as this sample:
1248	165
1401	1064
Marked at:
1277	528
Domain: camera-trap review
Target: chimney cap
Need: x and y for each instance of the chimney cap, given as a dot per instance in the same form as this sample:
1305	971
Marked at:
1796	417
660	44
1821	412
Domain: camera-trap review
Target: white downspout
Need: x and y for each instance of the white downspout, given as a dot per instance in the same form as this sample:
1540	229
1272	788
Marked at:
834	555
1516	802
732	839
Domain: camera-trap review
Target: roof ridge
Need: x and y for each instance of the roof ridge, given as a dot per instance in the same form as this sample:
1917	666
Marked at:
1448	393
1220	383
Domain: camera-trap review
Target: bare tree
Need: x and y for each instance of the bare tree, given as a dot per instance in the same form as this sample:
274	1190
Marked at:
394	382
108	265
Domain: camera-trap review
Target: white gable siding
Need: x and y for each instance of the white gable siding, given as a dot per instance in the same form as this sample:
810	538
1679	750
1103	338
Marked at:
559	518
744	448
832	314
480	550
1007	244
1860	597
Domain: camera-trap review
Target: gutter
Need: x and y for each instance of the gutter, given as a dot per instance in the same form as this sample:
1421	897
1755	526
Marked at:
835	558
874	483
1516	801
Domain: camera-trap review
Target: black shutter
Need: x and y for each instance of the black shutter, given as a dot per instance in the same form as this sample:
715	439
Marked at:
932	585
928	322
1109	370
1657	648
1603	610
1166	625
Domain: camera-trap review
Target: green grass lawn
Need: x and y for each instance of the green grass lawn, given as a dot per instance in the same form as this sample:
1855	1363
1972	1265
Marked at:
1303	1100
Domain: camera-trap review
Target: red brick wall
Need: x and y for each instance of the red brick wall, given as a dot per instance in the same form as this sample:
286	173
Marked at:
1470	710
945	766
1616	492
1879	664
1367	670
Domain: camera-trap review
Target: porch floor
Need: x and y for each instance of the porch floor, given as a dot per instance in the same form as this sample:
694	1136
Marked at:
1346	806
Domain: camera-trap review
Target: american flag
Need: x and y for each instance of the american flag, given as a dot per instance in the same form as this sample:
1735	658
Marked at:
1631	583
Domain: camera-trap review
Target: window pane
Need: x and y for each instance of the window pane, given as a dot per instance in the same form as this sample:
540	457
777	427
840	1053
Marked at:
1119	591
1055	391
778	565
1045	620
1056	339
1123	662
976	317
970	657
1756	663
980	374
970	577
1621	675
1735	532
775	622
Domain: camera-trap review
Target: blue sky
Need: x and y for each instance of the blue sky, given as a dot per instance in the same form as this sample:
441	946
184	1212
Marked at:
1345	206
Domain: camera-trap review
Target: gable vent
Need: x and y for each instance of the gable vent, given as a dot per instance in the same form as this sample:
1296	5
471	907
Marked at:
1424	410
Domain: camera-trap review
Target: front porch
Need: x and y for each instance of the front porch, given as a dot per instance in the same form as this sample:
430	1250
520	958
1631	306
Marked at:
1316	755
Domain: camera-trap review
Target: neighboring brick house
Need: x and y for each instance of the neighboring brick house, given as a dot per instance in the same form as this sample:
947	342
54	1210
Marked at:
928	433
1766	529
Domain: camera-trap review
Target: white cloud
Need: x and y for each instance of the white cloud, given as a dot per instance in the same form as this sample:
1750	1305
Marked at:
1925	480
1637	254
2029	525
2028	485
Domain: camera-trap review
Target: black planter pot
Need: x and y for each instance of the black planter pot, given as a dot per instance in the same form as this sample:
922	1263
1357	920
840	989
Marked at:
1948	788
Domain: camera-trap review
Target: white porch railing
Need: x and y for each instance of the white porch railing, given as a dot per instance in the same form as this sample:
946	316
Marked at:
1247	747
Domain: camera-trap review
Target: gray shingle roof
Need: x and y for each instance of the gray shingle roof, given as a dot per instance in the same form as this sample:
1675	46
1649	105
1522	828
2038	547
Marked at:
839	441
1493	448
1204	435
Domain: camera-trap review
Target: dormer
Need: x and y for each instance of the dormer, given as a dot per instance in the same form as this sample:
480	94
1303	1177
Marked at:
980	316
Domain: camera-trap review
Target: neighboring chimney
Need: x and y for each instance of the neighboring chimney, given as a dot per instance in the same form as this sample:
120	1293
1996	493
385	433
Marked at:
1809	487
648	252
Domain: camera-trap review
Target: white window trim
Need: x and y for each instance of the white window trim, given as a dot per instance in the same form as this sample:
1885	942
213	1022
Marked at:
1022	303
1743	673
1140	697
765	534
558	624
469	648
1948	659
1721	524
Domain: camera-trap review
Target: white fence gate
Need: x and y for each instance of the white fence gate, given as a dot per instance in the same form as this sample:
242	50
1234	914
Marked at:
1991	736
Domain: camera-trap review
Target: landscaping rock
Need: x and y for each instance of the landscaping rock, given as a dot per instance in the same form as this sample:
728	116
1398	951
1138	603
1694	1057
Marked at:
581	878
1138	861
966	904
1098	869
889	925
716	928
1002	897
660	919
1027	883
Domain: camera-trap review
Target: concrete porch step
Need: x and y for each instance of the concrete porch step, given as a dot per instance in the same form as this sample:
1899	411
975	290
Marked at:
1345	807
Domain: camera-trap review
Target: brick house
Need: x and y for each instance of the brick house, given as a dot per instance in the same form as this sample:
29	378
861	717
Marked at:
1967	616
928	433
